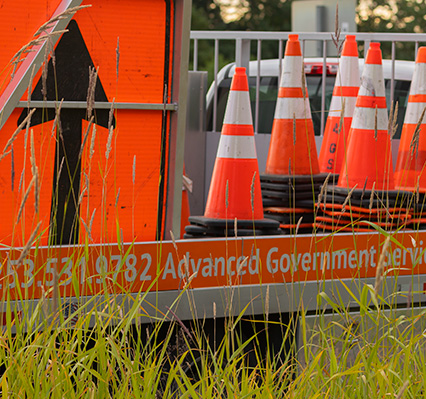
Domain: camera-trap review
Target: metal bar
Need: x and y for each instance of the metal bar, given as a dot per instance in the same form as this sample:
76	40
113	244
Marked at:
16	88
216	69
324	77
392	86
280	60
256	112
99	105
182	26
361	36
195	66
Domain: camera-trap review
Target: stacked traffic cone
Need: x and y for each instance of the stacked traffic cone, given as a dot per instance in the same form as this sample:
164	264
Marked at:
235	199
366	180
410	171
342	108
291	180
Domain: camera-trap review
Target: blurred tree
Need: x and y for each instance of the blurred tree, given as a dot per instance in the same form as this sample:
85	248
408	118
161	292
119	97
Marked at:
404	16
249	15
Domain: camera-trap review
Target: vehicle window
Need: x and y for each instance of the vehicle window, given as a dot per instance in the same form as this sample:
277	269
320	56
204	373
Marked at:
401	92
268	92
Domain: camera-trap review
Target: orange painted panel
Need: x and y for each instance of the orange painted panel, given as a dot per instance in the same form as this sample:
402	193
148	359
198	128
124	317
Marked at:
127	41
12	191
213	263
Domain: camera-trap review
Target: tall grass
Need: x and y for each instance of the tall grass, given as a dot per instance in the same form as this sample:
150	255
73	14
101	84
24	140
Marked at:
106	346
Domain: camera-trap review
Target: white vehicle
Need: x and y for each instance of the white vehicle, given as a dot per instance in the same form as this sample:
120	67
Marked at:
268	89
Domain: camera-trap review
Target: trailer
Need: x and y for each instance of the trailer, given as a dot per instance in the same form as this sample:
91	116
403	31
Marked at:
93	122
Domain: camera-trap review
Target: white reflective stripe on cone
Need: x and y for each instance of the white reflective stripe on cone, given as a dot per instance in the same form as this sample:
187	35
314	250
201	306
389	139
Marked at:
336	106
290	107
238	111
292	71
372	83
364	118
348	73
236	147
414	112
418	84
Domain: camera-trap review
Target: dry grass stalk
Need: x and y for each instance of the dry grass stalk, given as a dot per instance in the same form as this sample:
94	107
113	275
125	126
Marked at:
20	55
80	198
348	198
47	51
12	171
235	228
304	91
111	114
392	125
24	199
108	146
370	206
267	303
381	266
289	168
47	25
402	390
298	225
418	190
375	124
134	170
16	132
92	142
36	191
226	193
117	197
336	37
30	84
117	55
86	135
93	76
27	246
294	129
57	120
252	191
363	189
414	145
324	188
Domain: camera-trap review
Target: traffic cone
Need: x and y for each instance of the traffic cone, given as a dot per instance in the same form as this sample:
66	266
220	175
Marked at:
369	157
366	180
235	192
411	160
342	105
291	180
292	149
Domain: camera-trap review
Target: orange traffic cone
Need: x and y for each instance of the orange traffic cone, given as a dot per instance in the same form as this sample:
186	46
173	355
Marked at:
235	185
411	161
342	105
369	158
292	150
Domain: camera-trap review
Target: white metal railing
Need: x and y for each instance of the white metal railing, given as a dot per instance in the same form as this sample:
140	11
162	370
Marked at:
243	55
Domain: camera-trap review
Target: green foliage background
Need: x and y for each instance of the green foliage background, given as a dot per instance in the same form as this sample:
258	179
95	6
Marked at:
408	16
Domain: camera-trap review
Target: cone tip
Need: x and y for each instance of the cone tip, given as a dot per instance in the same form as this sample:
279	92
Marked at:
374	54
239	81
421	55
350	48
293	46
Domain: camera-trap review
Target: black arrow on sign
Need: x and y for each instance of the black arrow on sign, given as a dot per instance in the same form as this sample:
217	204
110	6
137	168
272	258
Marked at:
68	80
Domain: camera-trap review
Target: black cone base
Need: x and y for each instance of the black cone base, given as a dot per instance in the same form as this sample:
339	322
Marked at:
202	227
